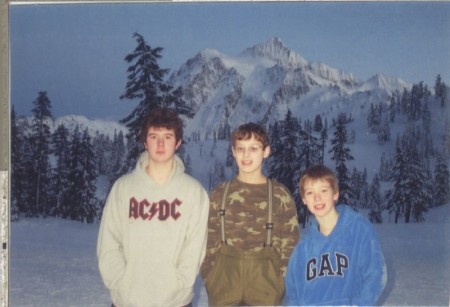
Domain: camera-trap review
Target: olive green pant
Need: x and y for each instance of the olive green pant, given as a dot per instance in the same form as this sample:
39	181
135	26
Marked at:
245	278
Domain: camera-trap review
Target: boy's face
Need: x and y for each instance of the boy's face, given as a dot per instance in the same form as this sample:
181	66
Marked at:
161	144
249	155
320	198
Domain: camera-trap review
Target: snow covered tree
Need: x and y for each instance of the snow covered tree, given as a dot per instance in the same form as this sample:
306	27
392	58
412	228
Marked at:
374	117
89	202
418	194
398	195
323	140
284	162
385	167
441	180
384	132
359	186
103	153
440	89
341	154
427	148
40	142
146	84
375	201
18	169
82	203
60	173
311	152
318	124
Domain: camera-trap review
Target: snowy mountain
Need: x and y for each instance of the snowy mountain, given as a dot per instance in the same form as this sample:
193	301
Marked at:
264	81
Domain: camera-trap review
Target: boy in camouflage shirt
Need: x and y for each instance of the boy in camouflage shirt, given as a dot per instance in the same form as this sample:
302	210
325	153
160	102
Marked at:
252	229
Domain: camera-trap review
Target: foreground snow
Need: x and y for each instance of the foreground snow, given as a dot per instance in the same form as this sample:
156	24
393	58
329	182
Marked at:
53	263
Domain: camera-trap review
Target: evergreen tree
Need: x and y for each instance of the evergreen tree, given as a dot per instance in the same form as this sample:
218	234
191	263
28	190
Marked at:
18	169
284	163
146	84
418	196
392	109
375	201
440	89
310	147
384	132
82	203
87	209
60	173
441	180
323	139
318	125
426	128
359	187
104	153
341	154
40	141
73	197
398	195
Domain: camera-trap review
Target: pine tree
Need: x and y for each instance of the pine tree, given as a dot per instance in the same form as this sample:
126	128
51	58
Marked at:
375	201
18	169
441	180
440	89
40	140
146	83
73	196
82	203
284	162
341	154
384	132
398	195
60	174
417	197
88	206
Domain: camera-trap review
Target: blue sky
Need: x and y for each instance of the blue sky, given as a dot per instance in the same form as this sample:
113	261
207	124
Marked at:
76	52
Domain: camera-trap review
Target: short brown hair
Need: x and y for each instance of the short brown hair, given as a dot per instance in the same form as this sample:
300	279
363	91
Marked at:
162	118
318	172
246	131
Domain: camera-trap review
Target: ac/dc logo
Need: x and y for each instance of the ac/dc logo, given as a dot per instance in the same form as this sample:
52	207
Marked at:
163	209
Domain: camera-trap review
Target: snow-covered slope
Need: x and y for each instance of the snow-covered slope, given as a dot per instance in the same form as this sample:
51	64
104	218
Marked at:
53	263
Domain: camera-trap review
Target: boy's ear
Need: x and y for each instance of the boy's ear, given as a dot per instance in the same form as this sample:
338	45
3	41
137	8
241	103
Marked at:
336	196
266	151
178	144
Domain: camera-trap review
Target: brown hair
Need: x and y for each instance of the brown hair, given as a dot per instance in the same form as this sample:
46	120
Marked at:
162	118
246	131
318	172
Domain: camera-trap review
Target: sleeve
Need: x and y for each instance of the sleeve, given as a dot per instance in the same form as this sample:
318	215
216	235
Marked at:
373	271
110	255
292	298
214	235
287	234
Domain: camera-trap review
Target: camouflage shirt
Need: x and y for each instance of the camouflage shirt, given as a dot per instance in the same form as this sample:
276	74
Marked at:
246	216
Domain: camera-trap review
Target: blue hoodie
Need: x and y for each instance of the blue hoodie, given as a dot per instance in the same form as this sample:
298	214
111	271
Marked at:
345	268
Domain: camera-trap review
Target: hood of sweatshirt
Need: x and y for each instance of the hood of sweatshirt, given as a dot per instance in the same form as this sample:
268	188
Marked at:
344	218
178	167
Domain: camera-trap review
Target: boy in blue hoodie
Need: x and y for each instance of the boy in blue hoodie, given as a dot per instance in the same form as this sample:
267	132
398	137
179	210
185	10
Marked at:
339	259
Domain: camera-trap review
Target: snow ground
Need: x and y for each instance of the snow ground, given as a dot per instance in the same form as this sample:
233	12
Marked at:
53	263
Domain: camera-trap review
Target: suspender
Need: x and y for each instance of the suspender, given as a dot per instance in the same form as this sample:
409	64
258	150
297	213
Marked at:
269	224
222	212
